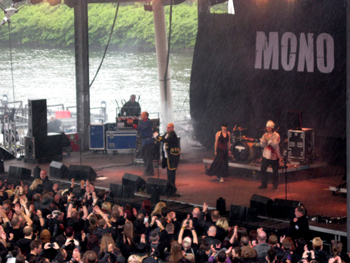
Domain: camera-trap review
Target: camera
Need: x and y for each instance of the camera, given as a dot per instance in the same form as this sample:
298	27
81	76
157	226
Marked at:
308	253
51	245
188	222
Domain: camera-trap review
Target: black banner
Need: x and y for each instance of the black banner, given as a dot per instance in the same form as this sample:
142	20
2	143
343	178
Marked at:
269	58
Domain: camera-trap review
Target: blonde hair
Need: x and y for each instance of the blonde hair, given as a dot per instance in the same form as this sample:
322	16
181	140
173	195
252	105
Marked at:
106	206
35	183
158	208
134	257
115	207
222	223
105	241
9	193
317	243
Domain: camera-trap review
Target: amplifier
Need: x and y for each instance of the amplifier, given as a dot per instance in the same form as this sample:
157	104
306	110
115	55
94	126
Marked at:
301	143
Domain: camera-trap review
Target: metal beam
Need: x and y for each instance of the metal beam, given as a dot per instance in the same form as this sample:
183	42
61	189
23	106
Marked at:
348	121
82	72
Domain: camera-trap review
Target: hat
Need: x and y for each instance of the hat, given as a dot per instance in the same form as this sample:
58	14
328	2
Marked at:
270	124
141	249
46	201
187	243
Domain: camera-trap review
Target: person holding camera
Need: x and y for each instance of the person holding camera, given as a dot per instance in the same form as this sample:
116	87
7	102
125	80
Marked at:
45	251
188	247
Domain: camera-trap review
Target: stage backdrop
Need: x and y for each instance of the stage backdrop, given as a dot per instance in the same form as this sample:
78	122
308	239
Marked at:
271	57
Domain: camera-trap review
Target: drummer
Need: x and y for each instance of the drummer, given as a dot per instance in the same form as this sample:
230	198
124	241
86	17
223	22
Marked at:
270	142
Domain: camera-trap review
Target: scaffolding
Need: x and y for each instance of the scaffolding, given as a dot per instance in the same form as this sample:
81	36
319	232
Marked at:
13	123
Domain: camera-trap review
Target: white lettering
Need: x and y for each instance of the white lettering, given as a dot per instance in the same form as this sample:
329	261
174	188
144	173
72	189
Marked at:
289	44
268	48
306	53
325	44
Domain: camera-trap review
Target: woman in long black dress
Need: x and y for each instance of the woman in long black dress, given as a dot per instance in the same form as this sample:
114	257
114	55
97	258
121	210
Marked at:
219	167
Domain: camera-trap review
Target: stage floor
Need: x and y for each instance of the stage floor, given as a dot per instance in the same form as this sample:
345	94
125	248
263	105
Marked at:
311	187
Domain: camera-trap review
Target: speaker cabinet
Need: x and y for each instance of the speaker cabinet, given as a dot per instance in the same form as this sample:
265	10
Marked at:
237	213
134	181
58	170
262	204
47	147
116	190
37	118
20	173
163	186
81	172
284	208
34	147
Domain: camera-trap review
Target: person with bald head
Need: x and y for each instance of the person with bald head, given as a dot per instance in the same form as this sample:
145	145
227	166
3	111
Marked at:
210	238
195	215
170	152
262	247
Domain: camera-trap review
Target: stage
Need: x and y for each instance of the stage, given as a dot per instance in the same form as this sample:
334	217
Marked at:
310	186
256	166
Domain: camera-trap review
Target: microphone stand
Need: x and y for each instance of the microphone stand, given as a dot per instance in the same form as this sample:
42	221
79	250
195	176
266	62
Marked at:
285	158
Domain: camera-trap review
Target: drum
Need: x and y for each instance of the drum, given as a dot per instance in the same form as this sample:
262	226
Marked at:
245	150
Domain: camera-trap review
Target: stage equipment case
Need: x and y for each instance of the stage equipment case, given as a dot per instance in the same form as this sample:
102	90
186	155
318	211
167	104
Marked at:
97	137
122	139
301	143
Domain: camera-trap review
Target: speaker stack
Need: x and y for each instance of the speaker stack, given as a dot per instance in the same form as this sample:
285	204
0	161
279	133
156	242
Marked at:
39	146
81	172
163	187
58	170
19	173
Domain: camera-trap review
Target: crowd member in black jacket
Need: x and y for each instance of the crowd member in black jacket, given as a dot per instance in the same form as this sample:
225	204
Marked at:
46	182
299	224
317	253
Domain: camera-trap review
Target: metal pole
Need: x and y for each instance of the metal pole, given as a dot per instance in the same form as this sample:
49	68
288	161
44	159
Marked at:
161	50
82	71
348	122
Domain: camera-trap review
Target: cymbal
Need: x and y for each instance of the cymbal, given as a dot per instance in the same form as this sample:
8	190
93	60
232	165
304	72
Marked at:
241	129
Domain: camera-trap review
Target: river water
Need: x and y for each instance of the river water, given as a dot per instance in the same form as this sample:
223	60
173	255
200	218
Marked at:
41	73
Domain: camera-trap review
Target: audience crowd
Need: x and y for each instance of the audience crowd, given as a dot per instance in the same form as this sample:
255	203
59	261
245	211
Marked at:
41	223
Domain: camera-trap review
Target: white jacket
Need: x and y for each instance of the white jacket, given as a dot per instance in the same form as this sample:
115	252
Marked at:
271	146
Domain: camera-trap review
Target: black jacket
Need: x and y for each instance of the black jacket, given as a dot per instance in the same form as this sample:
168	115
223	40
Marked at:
300	228
172	148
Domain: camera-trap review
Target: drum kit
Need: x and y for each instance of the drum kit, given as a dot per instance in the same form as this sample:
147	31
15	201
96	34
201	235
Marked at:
245	149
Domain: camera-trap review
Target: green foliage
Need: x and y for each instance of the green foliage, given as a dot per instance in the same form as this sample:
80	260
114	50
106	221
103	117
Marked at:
43	24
